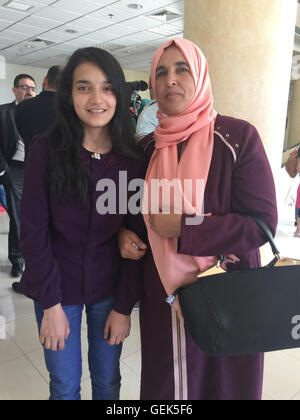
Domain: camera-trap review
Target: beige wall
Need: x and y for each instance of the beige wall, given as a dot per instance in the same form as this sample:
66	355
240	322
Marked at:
132	76
294	132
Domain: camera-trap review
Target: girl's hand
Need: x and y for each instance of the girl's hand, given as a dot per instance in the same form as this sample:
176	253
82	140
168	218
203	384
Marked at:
130	245
229	259
117	328
55	328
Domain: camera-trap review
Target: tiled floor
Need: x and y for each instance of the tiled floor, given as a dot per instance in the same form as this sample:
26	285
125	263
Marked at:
22	371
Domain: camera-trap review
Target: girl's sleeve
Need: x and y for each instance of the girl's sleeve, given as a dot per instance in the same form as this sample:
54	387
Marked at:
41	279
130	285
252	193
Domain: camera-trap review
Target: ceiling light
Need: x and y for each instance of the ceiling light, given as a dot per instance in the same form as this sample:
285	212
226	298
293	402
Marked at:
135	6
71	31
109	47
165	15
17	5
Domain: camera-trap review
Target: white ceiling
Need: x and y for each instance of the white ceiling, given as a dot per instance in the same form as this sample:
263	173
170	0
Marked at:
132	35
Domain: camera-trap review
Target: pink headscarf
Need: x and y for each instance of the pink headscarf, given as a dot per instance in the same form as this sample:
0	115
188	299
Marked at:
195	123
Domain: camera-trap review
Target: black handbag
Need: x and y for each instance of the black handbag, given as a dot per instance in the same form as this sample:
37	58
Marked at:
244	312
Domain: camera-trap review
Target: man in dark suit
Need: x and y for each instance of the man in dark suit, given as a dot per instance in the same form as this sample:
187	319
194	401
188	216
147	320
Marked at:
12	166
35	116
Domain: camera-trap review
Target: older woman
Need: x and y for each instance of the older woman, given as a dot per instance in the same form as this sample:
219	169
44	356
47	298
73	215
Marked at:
193	142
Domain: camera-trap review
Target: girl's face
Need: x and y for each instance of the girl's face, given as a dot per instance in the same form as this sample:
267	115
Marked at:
93	97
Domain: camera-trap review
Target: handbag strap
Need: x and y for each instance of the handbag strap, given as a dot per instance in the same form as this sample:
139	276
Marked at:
267	231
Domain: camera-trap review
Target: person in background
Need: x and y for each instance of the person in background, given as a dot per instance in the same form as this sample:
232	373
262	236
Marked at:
297	233
70	246
3	205
292	165
147	120
144	103
36	115
193	142
12	155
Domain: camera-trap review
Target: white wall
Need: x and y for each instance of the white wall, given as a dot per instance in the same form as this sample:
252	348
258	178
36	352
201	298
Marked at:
12	70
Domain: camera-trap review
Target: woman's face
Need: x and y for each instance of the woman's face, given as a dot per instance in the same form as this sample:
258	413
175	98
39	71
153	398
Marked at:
93	97
175	86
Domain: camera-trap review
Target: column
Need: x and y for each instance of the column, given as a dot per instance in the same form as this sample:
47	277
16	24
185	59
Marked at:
249	46
294	134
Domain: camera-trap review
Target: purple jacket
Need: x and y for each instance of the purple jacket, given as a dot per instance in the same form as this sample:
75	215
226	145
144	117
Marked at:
240	183
71	252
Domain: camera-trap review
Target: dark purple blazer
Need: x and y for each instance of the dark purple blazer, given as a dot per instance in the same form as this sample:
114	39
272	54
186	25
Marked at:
240	183
71	252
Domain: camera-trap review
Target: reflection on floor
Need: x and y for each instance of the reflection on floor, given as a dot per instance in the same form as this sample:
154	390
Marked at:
22	371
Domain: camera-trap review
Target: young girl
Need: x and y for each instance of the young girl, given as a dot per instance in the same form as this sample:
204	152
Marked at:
71	252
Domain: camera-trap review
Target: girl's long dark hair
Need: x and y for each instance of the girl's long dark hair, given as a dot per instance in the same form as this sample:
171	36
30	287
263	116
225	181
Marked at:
68	177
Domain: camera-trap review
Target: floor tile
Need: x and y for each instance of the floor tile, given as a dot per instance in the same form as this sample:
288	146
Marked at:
24	333
86	390
296	397
130	384
281	376
133	362
133	342
20	381
37	359
8	351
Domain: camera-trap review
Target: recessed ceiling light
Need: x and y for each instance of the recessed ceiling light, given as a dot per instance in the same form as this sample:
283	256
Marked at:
135	6
17	5
165	15
71	31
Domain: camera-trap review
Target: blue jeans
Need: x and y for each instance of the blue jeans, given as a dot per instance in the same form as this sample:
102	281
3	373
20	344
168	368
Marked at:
65	367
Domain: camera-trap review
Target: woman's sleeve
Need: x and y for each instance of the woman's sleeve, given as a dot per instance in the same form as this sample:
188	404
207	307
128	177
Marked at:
252	193
41	279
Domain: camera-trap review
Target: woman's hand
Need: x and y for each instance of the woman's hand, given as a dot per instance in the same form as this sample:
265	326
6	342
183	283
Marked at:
166	225
55	328
130	245
117	328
